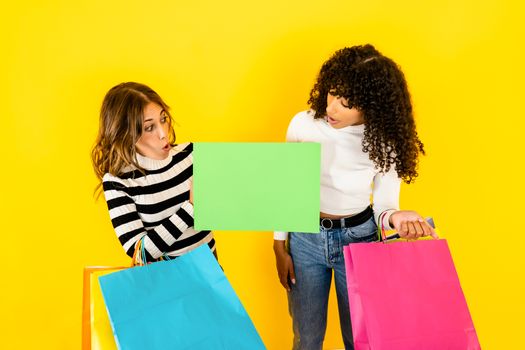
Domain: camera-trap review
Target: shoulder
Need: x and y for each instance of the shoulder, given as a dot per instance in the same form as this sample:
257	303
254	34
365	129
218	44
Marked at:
182	152
110	177
186	147
112	182
303	119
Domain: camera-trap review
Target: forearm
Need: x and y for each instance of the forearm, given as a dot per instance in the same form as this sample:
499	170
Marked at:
279	246
157	240
160	239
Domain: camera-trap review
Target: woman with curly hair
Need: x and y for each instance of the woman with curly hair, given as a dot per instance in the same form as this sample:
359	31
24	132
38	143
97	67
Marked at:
362	115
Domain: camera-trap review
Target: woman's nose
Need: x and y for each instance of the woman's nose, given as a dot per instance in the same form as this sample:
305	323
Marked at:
162	132
331	105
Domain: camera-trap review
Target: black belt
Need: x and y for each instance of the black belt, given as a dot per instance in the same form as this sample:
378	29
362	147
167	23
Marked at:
350	221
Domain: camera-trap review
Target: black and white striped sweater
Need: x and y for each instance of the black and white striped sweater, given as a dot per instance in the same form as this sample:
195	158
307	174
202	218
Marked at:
156	205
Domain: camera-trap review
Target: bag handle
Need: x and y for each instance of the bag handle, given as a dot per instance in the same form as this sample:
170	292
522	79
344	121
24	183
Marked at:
139	255
381	229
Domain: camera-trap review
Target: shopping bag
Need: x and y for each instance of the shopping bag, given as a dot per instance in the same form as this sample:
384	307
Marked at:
407	296
185	303
96	329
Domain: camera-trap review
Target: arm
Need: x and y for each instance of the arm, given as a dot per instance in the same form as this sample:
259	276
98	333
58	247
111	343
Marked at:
130	228
283	260
408	223
291	136
284	263
386	196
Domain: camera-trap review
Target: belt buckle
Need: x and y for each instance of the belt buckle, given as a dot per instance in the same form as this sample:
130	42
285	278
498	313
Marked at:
329	220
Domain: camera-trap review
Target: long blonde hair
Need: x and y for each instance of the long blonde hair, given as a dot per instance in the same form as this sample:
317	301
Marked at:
120	127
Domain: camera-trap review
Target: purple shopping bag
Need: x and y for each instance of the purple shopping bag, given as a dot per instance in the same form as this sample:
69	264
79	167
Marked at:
407	296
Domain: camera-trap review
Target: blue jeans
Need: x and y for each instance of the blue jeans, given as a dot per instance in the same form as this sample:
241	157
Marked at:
314	257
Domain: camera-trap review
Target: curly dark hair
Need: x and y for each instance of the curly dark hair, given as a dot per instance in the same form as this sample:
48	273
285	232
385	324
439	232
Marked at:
375	86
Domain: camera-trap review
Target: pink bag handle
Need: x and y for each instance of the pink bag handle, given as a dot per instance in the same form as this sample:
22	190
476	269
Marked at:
381	229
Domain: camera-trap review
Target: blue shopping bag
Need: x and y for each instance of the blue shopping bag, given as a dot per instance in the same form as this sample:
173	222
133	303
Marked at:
185	303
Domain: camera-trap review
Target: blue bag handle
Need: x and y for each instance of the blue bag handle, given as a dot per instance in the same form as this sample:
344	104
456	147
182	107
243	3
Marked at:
139	256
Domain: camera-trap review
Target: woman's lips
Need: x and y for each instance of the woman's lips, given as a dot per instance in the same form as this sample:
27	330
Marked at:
331	120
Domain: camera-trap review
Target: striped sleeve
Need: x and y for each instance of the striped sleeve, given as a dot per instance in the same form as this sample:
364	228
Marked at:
130	228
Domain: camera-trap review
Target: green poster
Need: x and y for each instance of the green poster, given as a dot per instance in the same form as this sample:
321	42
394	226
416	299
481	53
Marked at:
257	186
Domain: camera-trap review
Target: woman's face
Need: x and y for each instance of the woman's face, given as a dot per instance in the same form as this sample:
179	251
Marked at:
154	141
339	115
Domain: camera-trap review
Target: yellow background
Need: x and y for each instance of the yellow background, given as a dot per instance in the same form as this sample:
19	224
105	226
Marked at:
238	71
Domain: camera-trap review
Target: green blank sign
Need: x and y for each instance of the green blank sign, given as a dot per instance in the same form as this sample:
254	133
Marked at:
256	186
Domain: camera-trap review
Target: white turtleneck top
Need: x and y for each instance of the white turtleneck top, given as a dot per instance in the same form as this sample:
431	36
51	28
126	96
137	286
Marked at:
349	179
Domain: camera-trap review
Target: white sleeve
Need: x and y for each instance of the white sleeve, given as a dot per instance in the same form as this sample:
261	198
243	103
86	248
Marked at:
385	195
291	133
291	136
280	235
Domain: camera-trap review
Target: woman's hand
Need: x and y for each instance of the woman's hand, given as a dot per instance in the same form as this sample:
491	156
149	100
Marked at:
410	225
284	264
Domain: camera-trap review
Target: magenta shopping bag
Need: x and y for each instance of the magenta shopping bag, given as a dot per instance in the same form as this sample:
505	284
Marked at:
407	296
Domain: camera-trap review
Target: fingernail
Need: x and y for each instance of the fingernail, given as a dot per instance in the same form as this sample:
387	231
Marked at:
293	281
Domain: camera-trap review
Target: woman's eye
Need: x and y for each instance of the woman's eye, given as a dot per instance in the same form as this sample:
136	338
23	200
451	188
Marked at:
164	119
149	128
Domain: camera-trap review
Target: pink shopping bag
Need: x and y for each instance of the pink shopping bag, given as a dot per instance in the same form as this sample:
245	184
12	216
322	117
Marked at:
407	296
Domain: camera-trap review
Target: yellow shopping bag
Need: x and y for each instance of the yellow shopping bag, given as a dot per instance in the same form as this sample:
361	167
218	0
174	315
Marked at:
96	329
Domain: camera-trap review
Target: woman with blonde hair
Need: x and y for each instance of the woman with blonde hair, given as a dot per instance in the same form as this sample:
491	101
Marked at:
146	178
